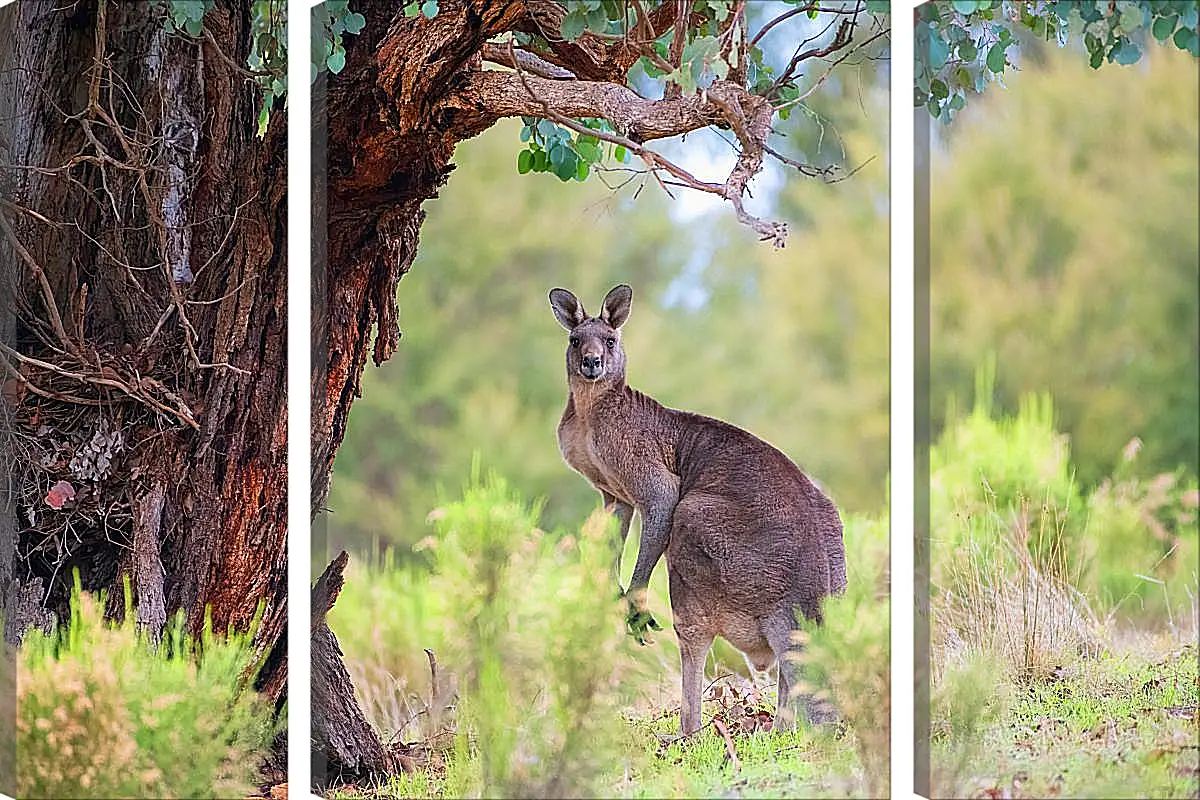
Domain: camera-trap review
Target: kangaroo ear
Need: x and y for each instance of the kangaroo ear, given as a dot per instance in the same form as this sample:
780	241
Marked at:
617	304
567	308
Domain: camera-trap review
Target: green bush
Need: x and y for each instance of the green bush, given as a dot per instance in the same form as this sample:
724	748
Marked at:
966	702
987	473
1003	492
533	631
1145	548
103	713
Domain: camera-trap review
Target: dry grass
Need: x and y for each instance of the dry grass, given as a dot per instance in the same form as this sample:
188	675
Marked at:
999	601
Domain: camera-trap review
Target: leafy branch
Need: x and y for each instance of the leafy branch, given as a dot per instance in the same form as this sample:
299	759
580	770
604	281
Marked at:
962	46
584	74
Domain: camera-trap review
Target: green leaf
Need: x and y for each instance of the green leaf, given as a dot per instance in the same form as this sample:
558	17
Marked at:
412	9
190	10
1163	27
1132	19
597	20
967	50
565	169
940	90
355	22
573	26
524	161
581	171
995	58
336	61
1183	38
588	151
1127	53
879	7
264	119
429	9
194	27
965	6
939	51
720	69
621	154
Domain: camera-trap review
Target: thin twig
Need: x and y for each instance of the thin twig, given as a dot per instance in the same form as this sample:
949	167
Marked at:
47	292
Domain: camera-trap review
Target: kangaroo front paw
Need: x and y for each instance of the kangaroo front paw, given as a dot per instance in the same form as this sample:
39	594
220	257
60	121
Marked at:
639	620
638	623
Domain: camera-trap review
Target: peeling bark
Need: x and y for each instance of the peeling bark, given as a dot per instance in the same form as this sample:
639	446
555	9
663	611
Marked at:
148	573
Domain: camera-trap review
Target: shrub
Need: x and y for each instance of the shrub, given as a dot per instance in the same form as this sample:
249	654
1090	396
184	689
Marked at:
1146	547
985	468
1024	564
534	633
103	713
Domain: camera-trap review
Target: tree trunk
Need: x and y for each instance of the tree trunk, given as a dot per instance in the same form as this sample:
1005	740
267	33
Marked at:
345	746
142	227
370	178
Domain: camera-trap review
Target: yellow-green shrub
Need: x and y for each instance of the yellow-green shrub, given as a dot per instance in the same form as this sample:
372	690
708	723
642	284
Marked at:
103	713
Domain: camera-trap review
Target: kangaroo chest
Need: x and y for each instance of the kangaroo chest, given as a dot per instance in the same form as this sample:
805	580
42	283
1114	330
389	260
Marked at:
583	450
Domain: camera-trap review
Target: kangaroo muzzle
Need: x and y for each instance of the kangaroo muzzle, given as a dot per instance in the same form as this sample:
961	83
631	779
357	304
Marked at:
592	367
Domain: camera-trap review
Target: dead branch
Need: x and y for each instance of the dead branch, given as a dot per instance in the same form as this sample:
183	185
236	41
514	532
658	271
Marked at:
327	588
639	120
845	33
139	390
730	752
43	281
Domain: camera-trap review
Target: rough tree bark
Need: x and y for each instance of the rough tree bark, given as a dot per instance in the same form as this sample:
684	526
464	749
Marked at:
142	227
384	133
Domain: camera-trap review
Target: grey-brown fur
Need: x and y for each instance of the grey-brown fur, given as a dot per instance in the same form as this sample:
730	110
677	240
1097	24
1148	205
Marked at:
749	539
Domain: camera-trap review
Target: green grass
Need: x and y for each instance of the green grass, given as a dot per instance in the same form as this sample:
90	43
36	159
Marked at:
1064	622
1123	725
804	763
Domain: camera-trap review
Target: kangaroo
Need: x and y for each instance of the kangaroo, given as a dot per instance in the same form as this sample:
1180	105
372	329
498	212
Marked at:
748	538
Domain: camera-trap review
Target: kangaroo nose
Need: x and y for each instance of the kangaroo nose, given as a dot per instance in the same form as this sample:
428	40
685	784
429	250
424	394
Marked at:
591	362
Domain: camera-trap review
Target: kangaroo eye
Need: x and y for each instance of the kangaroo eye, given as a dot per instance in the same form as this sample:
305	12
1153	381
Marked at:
611	342
574	341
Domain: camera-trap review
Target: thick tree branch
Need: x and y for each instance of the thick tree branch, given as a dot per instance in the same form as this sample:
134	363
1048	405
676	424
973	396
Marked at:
486	96
639	120
525	60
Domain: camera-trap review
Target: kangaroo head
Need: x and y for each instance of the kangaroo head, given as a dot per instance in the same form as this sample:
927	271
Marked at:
594	351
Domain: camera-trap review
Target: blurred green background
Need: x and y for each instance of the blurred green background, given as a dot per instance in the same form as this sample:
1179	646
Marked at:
1066	235
791	344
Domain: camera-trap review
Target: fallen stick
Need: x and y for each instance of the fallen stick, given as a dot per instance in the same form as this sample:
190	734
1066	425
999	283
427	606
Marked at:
729	751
